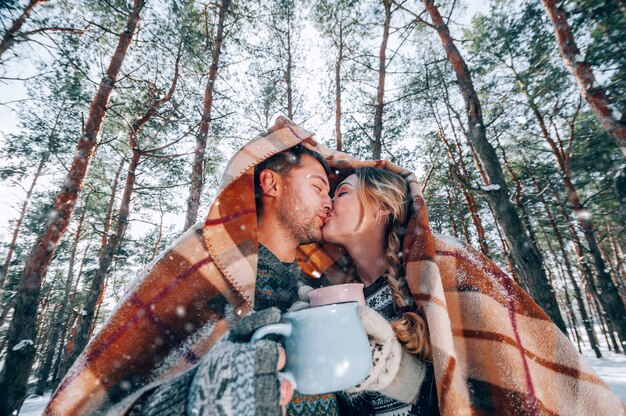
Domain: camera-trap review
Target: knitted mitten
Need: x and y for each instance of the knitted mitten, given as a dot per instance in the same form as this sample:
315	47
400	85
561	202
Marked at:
395	372
303	298
236	379
242	331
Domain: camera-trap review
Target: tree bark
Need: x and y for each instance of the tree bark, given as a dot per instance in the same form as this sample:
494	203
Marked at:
527	260
197	174
505	249
618	254
18	225
19	362
594	308
607	114
377	139
60	320
10	35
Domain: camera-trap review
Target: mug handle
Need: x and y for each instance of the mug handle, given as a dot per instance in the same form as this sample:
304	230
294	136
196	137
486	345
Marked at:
283	329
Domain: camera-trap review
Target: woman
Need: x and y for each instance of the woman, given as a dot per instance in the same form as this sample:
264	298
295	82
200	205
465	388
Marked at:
369	210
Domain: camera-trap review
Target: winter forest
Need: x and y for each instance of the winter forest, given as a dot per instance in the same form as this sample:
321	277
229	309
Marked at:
117	118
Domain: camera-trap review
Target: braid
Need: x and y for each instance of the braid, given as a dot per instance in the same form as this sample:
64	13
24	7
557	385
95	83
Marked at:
411	329
393	265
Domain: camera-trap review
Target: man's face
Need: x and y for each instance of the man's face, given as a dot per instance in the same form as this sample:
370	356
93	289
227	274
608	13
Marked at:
305	202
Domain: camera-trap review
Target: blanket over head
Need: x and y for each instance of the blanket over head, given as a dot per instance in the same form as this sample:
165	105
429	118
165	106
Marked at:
494	350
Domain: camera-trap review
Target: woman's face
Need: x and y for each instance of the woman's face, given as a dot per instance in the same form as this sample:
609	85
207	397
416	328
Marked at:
343	224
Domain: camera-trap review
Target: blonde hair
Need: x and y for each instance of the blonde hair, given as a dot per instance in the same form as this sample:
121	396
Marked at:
390	192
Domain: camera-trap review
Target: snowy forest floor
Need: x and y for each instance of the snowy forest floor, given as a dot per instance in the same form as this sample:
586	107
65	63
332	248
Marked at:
611	367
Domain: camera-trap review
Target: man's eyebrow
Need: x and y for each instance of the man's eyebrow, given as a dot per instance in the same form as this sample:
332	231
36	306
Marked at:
323	179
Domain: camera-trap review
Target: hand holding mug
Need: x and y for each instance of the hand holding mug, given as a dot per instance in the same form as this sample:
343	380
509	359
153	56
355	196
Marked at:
326	348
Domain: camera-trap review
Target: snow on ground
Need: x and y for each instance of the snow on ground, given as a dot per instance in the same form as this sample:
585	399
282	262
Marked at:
611	367
33	406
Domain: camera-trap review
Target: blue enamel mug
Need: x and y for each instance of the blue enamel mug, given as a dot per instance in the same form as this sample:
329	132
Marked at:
326	347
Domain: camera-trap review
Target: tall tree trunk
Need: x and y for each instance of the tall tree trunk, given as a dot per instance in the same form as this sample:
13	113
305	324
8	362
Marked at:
60	320
611	302
589	279
10	35
594	308
18	225
582	309
457	202
518	199
197	174
573	322
97	285
157	243
461	174
453	114
609	295
618	254
44	369
377	137
110	208
526	256
19	361
455	229
62	361
338	63
505	249
607	114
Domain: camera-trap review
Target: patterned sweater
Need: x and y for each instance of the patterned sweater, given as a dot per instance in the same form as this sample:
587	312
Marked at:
378	297
277	285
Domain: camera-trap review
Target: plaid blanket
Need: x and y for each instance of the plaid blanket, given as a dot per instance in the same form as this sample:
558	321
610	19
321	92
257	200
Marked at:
495	350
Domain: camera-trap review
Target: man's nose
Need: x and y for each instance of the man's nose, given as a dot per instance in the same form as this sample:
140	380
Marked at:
327	204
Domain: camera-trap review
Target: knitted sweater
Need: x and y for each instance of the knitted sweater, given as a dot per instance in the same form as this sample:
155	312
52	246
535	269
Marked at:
378	297
277	285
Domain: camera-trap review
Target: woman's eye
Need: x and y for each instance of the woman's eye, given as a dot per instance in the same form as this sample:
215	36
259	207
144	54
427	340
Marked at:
342	193
318	188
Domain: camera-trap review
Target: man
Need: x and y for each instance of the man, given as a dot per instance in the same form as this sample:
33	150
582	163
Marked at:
293	202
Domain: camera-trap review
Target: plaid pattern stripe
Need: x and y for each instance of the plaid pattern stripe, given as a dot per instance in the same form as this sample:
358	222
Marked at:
495	350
